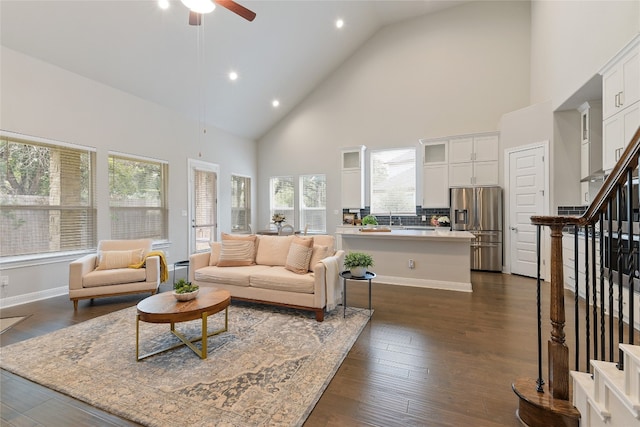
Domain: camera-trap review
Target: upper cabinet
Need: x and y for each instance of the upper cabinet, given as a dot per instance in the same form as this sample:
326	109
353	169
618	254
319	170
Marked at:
473	160
435	173
620	102
352	168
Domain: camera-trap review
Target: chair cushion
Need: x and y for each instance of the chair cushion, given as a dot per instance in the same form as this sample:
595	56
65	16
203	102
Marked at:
238	276
281	279
299	255
116	276
273	250
108	260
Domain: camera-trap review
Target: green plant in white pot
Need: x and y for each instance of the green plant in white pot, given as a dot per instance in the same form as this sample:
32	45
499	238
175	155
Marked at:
370	220
357	263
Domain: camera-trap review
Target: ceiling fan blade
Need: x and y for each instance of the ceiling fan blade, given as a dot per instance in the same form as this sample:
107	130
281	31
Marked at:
237	9
195	18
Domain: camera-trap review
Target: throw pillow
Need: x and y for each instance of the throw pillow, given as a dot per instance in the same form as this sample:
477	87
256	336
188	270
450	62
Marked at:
273	250
319	253
235	253
215	253
109	260
299	255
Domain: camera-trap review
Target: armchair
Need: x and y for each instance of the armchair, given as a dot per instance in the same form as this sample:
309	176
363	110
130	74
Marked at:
107	272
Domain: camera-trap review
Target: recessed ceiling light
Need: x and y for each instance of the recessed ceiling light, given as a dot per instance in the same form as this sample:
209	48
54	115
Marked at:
275	103
233	75
163	4
200	6
339	23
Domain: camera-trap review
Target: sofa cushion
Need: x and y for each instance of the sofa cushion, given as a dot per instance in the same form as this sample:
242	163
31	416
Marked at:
325	240
109	260
299	255
235	253
113	277
215	253
273	250
281	279
238	276
319	253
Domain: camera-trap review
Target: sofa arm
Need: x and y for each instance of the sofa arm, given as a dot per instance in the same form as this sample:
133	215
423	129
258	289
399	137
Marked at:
152	269
80	267
326	285
197	261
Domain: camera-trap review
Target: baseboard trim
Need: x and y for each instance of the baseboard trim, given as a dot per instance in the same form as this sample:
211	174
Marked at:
33	296
424	283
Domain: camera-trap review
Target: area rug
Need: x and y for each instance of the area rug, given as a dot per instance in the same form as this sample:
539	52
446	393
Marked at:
269	369
7	322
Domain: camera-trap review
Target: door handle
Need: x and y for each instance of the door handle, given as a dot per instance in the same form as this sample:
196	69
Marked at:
514	229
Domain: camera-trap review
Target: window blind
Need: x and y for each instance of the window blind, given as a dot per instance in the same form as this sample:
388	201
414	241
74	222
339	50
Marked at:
46	197
393	181
240	203
137	198
281	198
313	203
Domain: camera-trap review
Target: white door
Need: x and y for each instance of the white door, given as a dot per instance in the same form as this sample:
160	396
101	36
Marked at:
203	205
526	198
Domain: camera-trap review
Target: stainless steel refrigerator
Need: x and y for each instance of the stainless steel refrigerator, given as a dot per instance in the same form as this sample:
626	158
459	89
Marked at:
478	210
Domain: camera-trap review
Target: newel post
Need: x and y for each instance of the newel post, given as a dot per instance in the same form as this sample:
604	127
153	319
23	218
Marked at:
558	351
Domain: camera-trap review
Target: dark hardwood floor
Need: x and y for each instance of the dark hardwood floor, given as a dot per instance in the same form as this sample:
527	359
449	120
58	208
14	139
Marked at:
427	358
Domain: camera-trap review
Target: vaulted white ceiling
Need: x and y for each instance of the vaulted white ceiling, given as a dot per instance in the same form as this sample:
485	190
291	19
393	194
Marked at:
154	54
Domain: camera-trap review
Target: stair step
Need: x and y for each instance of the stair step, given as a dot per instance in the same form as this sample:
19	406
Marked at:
607	374
583	384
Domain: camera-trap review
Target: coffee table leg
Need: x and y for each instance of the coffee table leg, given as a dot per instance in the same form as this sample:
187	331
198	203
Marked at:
137	336
203	354
344	297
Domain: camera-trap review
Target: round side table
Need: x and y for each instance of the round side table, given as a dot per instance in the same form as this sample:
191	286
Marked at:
346	275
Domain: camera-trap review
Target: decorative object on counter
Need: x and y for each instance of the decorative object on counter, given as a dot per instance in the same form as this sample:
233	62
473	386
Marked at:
357	263
348	218
370	220
278	219
434	220
444	221
185	291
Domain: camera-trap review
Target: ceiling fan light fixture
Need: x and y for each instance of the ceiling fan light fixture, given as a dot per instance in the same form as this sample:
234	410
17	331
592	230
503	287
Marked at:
199	6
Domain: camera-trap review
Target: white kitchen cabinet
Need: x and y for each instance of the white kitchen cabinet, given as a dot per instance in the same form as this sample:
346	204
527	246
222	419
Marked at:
473	160
620	102
621	79
591	139
435	186
352	161
435	152
617	131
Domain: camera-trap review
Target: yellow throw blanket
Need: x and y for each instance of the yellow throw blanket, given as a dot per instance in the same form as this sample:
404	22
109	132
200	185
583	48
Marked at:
164	271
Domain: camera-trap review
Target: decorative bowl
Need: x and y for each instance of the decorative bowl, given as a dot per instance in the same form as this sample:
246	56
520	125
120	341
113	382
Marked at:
186	296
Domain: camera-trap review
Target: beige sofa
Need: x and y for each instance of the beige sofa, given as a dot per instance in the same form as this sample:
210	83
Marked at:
106	272
268	277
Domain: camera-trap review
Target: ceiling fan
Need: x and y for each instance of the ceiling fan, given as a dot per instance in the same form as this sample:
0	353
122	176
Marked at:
199	7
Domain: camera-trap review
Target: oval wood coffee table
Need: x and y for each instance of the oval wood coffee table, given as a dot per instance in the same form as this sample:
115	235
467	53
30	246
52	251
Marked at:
164	308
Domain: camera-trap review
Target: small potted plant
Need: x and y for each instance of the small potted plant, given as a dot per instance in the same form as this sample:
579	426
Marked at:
369	220
357	263
185	291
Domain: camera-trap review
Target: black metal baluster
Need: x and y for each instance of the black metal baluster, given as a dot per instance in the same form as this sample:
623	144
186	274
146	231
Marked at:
610	255
620	265
602	302
593	290
576	296
540	381
587	322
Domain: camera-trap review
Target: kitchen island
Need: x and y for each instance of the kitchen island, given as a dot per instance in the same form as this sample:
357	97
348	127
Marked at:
435	258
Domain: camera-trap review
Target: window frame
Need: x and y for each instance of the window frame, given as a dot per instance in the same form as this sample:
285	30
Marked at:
163	198
411	210
88	231
246	227
289	212
302	208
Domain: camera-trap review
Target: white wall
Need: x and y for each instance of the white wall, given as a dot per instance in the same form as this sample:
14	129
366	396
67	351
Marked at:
571	40
45	101
456	71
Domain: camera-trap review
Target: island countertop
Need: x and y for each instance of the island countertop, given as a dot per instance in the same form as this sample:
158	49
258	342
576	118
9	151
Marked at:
434	234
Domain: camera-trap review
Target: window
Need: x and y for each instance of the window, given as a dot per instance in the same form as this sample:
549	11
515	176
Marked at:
393	181
313	203
240	203
281	197
47	196
137	198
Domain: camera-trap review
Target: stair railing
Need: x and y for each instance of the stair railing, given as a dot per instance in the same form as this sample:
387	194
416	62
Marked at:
608	226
